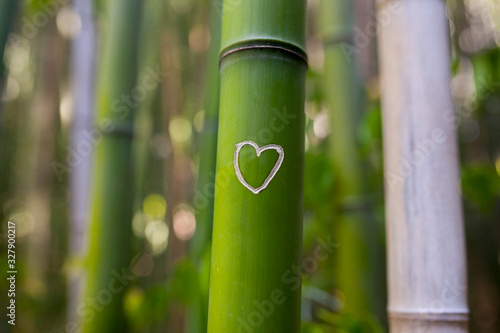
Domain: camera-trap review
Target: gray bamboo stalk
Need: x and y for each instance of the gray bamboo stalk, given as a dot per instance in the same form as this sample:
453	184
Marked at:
425	235
83	81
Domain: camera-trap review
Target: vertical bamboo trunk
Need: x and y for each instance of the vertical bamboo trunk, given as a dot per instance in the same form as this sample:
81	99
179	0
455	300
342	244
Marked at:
367	56
149	148
148	122
8	10
83	68
356	277
425	238
203	200
45	107
112	198
172	101
256	257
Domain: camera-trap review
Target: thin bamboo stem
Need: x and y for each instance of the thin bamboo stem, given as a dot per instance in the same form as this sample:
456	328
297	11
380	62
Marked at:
8	11
43	238
204	196
83	68
203	201
112	198
356	277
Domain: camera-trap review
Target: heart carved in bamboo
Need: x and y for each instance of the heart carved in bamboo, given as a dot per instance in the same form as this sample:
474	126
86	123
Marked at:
258	150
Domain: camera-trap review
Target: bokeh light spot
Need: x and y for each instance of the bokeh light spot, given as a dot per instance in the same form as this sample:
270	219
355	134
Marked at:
184	224
157	235
180	130
155	206
69	23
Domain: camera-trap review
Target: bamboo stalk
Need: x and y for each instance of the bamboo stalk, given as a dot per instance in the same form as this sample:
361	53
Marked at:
425	237
112	197
83	67
44	238
357	278
172	101
148	121
257	237
8	11
204	197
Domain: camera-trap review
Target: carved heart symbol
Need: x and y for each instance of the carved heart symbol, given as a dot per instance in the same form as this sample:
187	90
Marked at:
258	150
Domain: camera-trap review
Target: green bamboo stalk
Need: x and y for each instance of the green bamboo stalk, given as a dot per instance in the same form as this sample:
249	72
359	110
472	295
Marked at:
257	237
45	140
112	198
148	119
203	202
355	260
204	197
8	10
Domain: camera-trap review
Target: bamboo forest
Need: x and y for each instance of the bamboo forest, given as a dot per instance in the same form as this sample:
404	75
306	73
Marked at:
250	166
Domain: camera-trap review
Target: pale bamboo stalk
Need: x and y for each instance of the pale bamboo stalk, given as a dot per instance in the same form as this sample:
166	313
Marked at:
425	237
83	81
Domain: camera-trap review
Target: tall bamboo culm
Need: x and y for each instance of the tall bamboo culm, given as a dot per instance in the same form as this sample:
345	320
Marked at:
257	237
425	235
204	198
208	143
8	11
112	197
83	71
356	278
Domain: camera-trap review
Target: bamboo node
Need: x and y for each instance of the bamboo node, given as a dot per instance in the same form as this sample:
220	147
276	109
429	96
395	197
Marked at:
430	316
116	128
262	44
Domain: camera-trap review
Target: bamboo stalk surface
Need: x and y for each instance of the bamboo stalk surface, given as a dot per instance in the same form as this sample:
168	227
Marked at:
108	272
425	238
257	237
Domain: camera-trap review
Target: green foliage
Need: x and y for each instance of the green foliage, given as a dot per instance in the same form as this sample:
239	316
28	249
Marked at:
319	180
184	283
149	306
146	308
481	186
351	323
329	322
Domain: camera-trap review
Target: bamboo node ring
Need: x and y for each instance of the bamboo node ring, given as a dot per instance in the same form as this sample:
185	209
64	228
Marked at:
258	150
277	45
